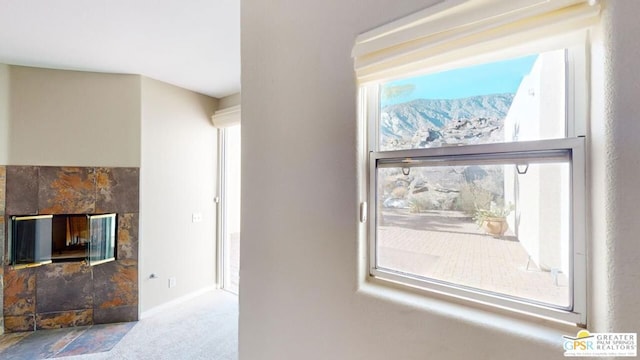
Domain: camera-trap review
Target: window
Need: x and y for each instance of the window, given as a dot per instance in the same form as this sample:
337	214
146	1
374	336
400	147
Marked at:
476	165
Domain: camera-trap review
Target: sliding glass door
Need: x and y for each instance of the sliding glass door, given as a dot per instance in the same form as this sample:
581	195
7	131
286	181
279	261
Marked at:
229	235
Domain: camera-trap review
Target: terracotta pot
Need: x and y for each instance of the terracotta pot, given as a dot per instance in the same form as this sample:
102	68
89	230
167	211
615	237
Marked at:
495	226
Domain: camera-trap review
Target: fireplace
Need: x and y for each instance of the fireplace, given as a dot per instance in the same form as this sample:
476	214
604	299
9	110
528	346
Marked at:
43	239
57	283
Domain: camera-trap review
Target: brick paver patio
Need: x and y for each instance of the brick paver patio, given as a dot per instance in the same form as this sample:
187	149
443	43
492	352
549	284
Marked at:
449	246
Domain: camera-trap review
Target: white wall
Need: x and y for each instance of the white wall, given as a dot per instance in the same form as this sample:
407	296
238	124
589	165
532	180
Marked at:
300	295
178	178
67	118
542	198
71	118
615	170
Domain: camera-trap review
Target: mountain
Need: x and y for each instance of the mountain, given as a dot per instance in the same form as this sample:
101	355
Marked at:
426	122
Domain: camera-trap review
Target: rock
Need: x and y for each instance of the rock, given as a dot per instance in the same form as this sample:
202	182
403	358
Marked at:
395	203
433	136
473	172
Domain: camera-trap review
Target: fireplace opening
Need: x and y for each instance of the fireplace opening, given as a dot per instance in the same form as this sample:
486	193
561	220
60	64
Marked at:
42	239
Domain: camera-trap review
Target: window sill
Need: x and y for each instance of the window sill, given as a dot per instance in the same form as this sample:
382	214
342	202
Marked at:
520	325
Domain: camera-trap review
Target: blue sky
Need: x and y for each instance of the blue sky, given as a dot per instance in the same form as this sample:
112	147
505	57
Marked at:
492	78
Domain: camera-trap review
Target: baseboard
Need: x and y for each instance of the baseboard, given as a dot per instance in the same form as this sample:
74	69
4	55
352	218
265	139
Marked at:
163	307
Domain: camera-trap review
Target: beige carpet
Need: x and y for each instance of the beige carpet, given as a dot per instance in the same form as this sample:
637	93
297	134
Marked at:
205	327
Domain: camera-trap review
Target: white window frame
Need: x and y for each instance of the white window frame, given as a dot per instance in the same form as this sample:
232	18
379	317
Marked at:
576	116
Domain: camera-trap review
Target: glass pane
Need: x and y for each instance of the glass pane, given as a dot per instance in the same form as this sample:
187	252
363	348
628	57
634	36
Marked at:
500	228
513	100
103	238
31	239
231	236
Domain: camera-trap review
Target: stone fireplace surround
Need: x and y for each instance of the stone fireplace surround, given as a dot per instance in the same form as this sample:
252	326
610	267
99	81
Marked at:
73	293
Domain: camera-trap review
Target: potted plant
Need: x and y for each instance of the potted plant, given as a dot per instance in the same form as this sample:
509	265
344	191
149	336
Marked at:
494	219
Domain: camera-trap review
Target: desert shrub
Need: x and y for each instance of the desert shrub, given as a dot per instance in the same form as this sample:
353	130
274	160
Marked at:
472	197
399	192
493	211
418	204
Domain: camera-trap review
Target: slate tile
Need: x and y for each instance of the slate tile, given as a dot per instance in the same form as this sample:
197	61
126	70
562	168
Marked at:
19	323
117	190
115	284
1	297
3	178
97	338
19	292
66	190
64	287
10	339
42	344
3	186
21	193
3	225
127	237
64	319
115	314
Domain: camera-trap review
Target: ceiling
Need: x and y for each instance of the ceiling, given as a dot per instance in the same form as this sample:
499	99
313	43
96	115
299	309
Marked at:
194	44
